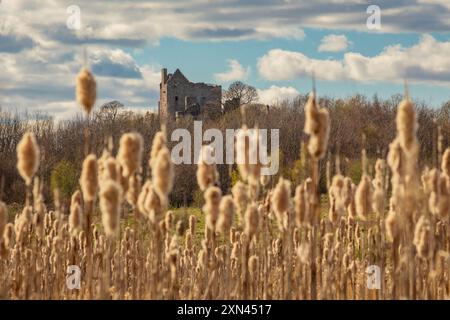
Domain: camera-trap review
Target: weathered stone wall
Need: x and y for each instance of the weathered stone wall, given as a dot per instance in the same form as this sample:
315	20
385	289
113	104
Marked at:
177	90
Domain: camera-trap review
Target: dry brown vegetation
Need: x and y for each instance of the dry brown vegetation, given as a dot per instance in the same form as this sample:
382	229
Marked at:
263	237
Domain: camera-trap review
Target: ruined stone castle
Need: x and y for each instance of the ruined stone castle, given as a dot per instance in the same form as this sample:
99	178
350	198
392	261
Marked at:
179	96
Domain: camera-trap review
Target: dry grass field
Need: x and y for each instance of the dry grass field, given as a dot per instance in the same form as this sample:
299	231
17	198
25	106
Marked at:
264	238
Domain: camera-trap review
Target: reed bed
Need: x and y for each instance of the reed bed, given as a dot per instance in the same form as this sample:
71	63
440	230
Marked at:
258	242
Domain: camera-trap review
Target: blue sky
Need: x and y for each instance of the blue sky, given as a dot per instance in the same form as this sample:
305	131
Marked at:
200	60
273	45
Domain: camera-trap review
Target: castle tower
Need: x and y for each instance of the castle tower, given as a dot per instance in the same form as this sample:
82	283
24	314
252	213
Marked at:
177	94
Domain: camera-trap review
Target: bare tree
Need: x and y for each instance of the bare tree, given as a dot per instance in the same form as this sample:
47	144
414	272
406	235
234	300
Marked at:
110	110
241	92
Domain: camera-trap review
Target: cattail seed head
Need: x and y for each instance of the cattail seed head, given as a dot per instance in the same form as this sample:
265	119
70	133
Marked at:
163	173
378	198
247	157
300	206
143	196
86	91
363	197
439	200
241	196
28	157
407	126
134	189
3	218
8	235
207	174
89	178
213	196
159	142
251	221
227	209
154	205
75	218
423	238
280	199
130	153
317	126
110	203
38	219
337	198
392	224
446	162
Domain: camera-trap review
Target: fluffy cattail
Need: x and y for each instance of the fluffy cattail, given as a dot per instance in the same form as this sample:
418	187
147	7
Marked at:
407	127
38	219
86	90
75	218
207	174
28	157
337	198
439	186
280	199
211	207
3	218
348	191
134	189
226	214
143	195
89	178
247	157
8	235
317	125
423	238
241	197
300	206
159	142
395	157
378	184
130	153
163	173
110	203
392	222
363	197
446	162
251	221
168	220
154	205
21	225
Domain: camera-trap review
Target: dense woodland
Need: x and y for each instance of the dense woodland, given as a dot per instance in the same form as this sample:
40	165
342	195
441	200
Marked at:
356	122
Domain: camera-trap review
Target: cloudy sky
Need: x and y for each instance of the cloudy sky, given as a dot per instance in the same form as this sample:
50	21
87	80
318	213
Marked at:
273	45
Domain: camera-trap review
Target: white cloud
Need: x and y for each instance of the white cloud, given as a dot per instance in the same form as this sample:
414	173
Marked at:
334	43
44	80
277	94
137	22
280	64
40	57
427	61
114	63
236	72
444	3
